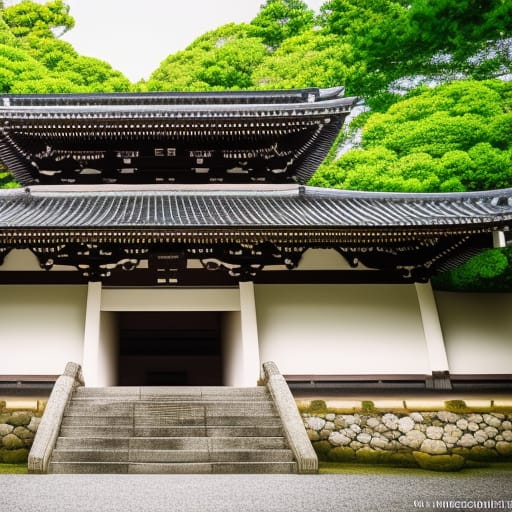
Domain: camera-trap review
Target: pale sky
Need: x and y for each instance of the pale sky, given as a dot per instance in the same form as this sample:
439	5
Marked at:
134	36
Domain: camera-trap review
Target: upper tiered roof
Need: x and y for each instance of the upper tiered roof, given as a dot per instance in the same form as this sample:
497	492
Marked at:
112	180
228	137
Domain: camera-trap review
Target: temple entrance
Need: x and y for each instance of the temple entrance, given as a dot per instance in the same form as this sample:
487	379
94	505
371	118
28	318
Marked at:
170	348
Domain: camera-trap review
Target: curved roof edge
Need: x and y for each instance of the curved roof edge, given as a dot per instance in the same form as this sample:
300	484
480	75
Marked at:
498	194
310	95
501	196
238	207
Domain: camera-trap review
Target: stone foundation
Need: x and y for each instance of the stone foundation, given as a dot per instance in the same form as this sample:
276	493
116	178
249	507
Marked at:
434	440
17	431
411	439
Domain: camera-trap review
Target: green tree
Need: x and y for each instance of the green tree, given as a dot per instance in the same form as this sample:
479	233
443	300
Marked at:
461	29
221	59
422	38
35	60
44	19
448	138
311	58
279	20
488	271
375	30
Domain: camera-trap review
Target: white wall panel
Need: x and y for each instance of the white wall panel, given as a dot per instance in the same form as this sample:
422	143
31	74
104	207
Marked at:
341	329
477	329
41	328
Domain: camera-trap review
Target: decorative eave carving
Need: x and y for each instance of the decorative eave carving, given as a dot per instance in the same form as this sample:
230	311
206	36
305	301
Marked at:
245	255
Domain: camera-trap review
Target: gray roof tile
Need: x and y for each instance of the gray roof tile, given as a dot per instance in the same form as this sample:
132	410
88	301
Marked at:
265	207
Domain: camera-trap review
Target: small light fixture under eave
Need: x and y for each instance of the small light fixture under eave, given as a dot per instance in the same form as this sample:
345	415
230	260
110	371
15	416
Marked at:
498	239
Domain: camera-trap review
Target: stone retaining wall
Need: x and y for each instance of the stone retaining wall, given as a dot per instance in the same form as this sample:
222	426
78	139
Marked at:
411	439
420	439
17	431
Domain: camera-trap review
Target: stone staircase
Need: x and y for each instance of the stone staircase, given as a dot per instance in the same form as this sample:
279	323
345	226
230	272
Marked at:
171	430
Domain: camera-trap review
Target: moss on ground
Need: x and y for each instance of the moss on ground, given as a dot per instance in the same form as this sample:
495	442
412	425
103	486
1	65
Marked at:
333	468
368	407
439	462
19	456
13	469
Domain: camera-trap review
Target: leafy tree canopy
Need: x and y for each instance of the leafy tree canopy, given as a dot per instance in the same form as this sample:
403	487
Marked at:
454	137
309	58
34	60
221	59
429	38
489	271
279	20
46	20
462	29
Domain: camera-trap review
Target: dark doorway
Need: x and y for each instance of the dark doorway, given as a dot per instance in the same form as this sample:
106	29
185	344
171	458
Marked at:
170	349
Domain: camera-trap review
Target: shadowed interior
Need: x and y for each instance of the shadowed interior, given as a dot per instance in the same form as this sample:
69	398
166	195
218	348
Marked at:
170	349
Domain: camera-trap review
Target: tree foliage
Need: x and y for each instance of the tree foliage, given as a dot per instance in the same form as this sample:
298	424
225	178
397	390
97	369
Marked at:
463	29
221	59
489	271
45	20
309	58
279	20
448	138
34	60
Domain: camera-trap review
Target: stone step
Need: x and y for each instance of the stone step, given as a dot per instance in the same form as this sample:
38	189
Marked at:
172	456
168	421
173	468
93	408
92	443
241	421
97	421
171	430
170	443
208	408
167	456
168	393
64	455
79	431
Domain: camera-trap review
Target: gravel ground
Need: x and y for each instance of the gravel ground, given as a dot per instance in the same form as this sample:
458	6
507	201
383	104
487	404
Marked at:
253	493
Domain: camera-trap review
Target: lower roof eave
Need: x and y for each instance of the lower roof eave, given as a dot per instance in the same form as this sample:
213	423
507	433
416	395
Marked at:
204	235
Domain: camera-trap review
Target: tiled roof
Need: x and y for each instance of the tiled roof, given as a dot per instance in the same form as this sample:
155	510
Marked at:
290	207
230	137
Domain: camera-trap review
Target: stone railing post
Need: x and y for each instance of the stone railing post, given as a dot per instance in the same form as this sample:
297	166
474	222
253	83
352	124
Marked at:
48	430
307	460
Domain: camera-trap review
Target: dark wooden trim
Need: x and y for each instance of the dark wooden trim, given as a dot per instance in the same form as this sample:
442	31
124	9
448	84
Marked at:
41	277
328	277
481	377
356	378
205	278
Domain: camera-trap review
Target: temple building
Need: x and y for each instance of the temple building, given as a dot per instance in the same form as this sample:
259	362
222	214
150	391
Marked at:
171	239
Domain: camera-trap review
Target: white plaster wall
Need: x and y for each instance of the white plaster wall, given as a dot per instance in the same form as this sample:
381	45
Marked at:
23	259
477	329
232	356
20	259
108	356
41	328
325	259
341	329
